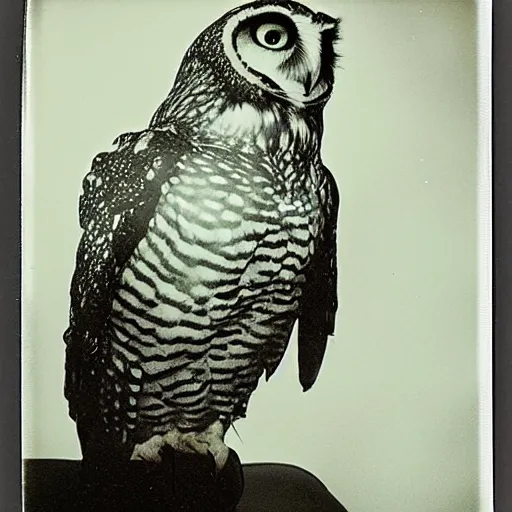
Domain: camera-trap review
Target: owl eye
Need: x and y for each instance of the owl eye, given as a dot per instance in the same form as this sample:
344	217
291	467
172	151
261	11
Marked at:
272	36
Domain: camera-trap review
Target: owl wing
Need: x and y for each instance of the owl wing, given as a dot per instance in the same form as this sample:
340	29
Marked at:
119	197
319	300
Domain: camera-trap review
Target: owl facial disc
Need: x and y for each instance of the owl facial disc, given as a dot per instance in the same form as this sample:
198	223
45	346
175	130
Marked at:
287	52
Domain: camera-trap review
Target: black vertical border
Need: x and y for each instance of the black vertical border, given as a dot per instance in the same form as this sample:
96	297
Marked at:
11	59
502	253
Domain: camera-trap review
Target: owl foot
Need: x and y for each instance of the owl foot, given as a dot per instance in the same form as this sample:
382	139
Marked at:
210	441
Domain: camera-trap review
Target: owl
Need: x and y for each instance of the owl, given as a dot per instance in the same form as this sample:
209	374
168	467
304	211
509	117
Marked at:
205	238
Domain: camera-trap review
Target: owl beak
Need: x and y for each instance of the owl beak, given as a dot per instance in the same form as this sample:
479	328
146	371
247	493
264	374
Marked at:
328	28
311	81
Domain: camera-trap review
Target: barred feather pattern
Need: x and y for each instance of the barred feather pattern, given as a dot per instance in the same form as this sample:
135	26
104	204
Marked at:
208	300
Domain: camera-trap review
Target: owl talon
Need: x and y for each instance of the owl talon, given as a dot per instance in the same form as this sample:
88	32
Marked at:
214	437
220	452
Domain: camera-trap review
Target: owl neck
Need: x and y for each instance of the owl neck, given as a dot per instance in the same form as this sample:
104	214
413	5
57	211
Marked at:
271	128
206	112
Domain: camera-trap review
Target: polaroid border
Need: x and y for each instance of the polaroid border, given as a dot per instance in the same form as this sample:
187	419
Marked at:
12	16
502	254
12	28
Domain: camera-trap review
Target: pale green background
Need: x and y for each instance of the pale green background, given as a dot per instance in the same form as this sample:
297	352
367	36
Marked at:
391	425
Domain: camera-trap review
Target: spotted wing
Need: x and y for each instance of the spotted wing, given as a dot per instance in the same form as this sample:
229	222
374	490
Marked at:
119	197
319	300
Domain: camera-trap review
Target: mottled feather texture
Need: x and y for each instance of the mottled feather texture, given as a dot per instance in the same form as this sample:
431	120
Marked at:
205	238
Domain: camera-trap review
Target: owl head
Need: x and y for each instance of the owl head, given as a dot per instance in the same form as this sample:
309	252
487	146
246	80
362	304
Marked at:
264	52
280	48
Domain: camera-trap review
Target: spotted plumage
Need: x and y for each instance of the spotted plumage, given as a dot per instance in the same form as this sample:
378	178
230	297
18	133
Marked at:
205	238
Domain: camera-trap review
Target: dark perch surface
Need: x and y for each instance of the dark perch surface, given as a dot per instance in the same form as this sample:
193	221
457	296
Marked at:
54	485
